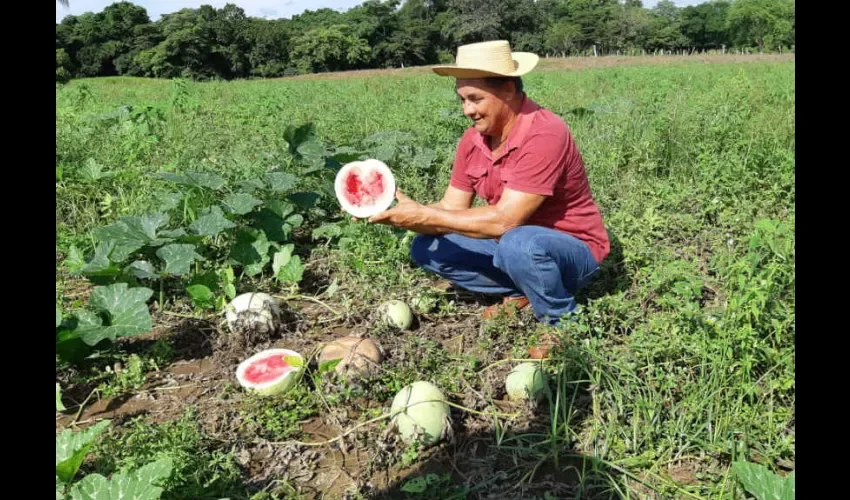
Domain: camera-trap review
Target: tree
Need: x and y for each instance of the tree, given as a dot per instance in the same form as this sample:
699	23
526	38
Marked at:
332	48
767	24
705	24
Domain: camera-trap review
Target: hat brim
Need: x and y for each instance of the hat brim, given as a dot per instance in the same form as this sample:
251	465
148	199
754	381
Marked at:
525	63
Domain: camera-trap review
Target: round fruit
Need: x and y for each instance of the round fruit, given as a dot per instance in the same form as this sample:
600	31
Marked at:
420	413
397	314
526	380
252	310
365	188
270	372
358	356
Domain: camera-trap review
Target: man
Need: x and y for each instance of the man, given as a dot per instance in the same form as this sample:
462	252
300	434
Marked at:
541	237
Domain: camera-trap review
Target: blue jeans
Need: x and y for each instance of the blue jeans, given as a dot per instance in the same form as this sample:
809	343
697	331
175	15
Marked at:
546	266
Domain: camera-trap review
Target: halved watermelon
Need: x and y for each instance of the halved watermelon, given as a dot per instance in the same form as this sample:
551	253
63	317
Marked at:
365	188
270	372
253	310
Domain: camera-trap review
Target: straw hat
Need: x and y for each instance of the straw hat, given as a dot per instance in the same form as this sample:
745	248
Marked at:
488	59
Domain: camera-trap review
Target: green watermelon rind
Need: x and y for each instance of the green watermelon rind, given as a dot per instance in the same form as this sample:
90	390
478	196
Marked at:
275	387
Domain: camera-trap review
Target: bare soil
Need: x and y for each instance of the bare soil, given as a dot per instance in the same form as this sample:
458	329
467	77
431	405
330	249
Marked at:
561	63
367	461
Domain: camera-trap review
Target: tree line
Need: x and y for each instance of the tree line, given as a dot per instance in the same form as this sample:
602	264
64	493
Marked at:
209	43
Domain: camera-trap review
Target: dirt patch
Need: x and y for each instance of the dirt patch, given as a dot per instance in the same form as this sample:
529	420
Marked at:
684	472
558	63
610	61
370	460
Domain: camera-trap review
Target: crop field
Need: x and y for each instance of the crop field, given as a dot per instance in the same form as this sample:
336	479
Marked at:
174	197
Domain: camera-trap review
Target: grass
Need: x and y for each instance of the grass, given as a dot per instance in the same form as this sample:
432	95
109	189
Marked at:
684	359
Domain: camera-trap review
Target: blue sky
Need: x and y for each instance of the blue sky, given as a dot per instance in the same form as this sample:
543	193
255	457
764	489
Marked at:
255	8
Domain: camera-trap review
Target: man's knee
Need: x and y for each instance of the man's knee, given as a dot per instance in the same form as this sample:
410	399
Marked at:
516	247
421	248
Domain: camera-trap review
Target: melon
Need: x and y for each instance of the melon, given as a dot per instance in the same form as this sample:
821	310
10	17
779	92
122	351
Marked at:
526	381
419	412
358	356
252	310
365	188
270	372
397	313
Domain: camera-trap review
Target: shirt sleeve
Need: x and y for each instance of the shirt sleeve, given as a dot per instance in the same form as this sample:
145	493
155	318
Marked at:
540	165
460	179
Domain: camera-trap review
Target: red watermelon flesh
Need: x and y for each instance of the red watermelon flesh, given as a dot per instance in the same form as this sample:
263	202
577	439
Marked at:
360	190
267	369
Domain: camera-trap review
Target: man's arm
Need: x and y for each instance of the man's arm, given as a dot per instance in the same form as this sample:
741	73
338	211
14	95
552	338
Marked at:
454	199
512	210
492	221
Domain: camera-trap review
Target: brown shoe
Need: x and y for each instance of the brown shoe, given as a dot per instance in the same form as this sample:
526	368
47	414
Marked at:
509	306
544	347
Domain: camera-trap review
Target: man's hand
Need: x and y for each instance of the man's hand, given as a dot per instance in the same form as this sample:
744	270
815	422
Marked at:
407	214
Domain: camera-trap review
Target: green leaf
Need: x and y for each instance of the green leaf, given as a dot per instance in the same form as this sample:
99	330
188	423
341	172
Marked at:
292	271
295	136
422	162
281	209
125	308
762	483
282	257
343	155
327	231
295	220
92	171
201	295
58	316
178	257
142	484
789	489
251	185
305	201
271	220
131	233
251	250
72	447
100	264
281	181
228	279
294	361
332	289
60	489
211	222
194	179
70	347
415	485
59	405
141	269
240	203
75	261
207	278
168	200
312	153
328	366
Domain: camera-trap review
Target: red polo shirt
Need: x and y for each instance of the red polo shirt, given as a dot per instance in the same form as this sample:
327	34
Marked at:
539	157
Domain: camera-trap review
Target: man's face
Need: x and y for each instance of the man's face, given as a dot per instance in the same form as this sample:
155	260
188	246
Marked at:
484	104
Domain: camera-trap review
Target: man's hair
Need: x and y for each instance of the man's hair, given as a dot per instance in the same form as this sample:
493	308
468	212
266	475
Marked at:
501	80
